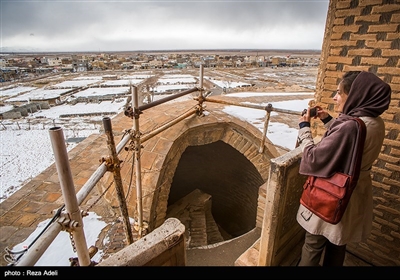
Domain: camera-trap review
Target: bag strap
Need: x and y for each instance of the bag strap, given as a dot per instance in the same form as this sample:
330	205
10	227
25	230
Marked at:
362	131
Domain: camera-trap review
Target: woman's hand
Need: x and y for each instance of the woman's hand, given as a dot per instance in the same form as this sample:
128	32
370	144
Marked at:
305	116
321	113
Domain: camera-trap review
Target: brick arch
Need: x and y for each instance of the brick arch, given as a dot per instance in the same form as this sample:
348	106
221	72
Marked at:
241	136
160	154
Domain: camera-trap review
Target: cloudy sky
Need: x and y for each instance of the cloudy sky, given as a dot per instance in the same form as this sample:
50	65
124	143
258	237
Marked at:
96	25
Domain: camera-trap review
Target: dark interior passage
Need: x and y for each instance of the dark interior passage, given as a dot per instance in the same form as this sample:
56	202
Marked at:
228	176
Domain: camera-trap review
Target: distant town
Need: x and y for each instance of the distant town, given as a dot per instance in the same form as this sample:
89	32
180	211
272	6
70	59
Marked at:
18	67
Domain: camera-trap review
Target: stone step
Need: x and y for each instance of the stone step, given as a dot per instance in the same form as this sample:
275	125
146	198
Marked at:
194	211
213	233
198	228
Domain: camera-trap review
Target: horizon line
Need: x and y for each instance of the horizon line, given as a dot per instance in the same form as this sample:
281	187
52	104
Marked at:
166	50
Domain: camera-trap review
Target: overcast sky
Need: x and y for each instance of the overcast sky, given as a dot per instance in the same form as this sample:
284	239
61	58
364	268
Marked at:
130	25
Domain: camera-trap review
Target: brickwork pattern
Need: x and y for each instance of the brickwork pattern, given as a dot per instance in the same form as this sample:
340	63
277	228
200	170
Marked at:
160	154
365	35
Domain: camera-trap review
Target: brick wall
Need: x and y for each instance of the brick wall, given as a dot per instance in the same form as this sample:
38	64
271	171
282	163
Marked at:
365	35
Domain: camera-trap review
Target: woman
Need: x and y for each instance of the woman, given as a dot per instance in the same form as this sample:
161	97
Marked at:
359	94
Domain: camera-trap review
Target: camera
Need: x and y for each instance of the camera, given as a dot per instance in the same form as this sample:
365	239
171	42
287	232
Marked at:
313	112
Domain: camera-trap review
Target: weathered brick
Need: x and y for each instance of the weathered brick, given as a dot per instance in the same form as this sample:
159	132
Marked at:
395	234
335	51
19	206
390	52
387	223
355	68
363	3
393	167
392	197
388	70
391	182
27	220
370	18
395	152
340	59
10	217
377	9
148	160
378	44
388	209
343	4
392	36
396	80
396	17
390	159
382	171
346	28
362	52
383	28
395	87
51	197
330	80
393	125
374	60
330	66
338	21
380	234
348	12
381	186
391	142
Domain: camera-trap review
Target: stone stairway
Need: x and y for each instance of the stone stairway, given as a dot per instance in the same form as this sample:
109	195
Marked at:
194	211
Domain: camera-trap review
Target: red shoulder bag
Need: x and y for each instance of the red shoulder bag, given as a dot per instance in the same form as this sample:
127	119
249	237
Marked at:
328	197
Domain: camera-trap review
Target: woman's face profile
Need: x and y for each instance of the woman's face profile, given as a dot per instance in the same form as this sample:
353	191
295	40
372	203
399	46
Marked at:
340	98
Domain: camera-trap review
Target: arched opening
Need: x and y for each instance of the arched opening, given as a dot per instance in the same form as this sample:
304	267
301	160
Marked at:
229	179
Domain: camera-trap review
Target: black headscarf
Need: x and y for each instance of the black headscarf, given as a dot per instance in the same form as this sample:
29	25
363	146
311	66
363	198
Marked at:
368	96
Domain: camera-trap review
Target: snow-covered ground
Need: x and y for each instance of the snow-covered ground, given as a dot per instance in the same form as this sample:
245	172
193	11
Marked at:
26	148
